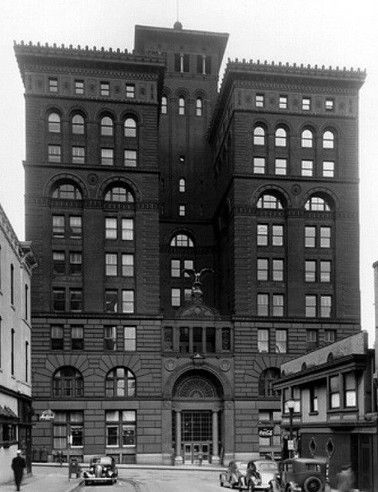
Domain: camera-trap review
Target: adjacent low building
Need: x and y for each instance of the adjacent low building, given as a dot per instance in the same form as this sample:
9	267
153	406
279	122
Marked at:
16	264
334	412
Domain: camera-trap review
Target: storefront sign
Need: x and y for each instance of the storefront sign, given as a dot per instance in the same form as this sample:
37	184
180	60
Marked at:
47	415
266	432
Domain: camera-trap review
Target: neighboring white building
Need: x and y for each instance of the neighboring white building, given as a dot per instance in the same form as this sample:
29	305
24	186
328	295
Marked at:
16	263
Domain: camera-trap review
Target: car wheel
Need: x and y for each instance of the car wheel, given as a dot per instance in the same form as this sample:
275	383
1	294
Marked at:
312	484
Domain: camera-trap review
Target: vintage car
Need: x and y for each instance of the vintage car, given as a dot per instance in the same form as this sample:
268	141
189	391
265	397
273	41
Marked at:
101	469
234	476
301	475
260	475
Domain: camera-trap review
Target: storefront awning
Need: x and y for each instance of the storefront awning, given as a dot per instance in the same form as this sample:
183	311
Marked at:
7	413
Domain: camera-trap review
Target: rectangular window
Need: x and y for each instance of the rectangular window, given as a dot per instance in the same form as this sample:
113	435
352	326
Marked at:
312	336
111	264
329	104
79	86
311	306
110	338
76	300
307	168
277	235
278	305
168	338
107	157
281	341
12	284
325	237
130	158
127	301
330	336
283	102
350	390
54	153
53	84
120	428
310	236
127	229
184	339
57	340
334	392
175	297
210	340
130	91
68	430
78	155
104	88
262	304
262	235
175	268
259	100
325	271
306	104
129	338
110	228
59	262
197	340
262	269
75	226
313	399
111	301
325	306
259	165
328	169
75	262
281	167
127	265
262	340
187	295
310	271
59	298
182	211
297	399
77	338
278	270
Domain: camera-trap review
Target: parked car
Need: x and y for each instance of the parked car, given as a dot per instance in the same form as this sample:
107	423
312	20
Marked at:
101	469
234	476
301	475
260	474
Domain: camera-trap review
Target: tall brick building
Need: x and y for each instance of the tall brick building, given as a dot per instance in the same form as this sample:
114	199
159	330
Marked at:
137	167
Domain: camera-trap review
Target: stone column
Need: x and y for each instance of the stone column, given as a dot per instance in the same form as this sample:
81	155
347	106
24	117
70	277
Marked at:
215	457
178	457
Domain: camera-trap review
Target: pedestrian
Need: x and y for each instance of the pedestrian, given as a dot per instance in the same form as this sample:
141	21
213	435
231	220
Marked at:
18	465
345	479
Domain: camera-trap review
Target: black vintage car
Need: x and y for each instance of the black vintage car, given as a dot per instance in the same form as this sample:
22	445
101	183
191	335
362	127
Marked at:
301	475
101	469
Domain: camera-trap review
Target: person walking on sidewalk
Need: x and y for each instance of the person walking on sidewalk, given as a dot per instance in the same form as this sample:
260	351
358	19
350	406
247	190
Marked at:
345	479
18	465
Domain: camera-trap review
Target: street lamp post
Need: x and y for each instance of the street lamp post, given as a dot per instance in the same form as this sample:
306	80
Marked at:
290	404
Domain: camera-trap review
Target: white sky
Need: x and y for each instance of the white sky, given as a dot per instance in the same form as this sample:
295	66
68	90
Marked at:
326	32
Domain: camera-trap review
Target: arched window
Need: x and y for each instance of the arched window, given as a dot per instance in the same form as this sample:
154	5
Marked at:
120	382
119	193
107	129
199	106
328	140
182	241
181	105
317	204
259	135
68	383
269	201
54	123
130	128
182	185
307	139
266	380
281	137
67	191
78	124
164	105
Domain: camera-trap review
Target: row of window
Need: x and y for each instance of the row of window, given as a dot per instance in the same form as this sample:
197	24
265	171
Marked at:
72	227
273	269
202	63
120	429
71	299
281	137
316	306
277	342
115	338
308	167
78	124
79	87
107	157
283	102
197	339
182	106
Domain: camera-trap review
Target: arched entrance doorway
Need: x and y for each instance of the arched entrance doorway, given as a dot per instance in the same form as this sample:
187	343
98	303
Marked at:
197	402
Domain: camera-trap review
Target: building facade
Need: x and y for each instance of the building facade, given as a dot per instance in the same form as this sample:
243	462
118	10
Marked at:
16	264
190	240
335	411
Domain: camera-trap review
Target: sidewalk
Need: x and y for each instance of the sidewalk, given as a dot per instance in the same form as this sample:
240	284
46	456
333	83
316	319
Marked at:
55	480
